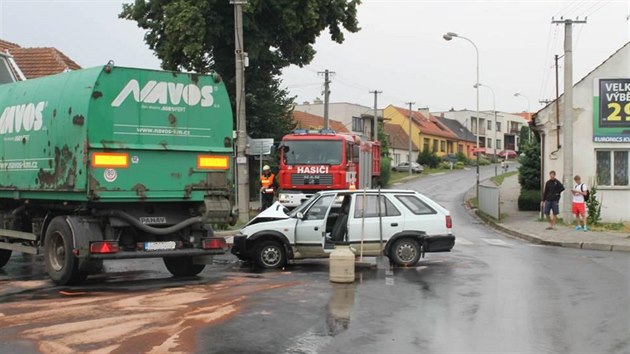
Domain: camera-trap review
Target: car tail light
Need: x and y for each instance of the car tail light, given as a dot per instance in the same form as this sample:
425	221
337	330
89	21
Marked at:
104	247
213	243
449	222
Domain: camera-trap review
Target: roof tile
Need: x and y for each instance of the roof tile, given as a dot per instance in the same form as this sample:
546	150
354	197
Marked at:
37	62
398	138
311	121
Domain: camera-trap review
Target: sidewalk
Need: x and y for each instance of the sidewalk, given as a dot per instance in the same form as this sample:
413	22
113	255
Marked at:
525	225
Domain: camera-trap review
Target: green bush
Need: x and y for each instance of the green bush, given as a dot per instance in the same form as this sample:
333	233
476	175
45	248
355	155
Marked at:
594	207
461	157
386	170
529	172
428	159
459	165
483	161
529	200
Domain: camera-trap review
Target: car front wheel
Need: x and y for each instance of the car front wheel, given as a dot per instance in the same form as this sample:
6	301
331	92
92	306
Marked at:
405	252
270	254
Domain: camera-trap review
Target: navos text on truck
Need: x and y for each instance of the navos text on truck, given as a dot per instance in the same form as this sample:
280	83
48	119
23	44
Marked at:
114	163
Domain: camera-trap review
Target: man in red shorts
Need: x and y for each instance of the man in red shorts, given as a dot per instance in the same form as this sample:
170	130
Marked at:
579	206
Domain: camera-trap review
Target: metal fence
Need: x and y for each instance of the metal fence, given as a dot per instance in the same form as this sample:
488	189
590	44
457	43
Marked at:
489	201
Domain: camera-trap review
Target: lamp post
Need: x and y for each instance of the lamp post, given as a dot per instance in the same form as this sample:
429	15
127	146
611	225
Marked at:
529	134
494	110
448	36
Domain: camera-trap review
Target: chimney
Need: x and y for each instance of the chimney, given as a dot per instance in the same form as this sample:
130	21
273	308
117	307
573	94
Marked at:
425	112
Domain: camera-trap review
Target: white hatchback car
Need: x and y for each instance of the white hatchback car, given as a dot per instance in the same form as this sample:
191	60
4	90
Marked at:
409	222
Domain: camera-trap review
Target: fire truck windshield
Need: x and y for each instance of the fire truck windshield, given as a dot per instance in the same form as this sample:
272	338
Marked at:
312	152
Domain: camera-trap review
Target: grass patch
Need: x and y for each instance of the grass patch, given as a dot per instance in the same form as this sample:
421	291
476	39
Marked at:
397	176
611	226
474	202
498	180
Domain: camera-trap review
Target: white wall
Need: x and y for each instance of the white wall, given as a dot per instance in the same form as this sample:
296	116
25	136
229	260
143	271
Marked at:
342	112
615	200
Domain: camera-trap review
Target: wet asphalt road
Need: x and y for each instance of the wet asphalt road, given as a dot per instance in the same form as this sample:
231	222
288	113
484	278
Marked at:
491	294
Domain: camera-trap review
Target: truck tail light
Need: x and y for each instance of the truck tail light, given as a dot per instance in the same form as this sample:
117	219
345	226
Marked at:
110	160
104	247
449	222
211	162
213	243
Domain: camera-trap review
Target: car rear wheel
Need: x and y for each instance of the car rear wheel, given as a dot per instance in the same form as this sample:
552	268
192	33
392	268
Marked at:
405	252
182	266
270	254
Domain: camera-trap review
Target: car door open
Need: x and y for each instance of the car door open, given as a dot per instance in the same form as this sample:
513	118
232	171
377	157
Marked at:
310	228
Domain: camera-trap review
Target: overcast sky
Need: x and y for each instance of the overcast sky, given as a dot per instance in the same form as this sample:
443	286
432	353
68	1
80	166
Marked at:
399	50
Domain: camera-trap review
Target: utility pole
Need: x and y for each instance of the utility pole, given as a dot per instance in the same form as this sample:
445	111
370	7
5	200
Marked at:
327	74
375	120
242	175
567	122
410	135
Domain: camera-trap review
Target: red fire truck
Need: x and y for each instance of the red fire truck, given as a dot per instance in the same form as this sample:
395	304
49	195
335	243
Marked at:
311	161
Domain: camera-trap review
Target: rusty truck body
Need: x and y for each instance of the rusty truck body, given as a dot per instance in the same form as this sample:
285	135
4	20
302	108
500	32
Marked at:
113	163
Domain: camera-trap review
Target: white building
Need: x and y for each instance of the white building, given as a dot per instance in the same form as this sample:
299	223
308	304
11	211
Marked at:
601	135
355	117
494	137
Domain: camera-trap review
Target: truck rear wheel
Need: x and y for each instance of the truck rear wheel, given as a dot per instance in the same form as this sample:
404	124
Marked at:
182	266
4	257
62	265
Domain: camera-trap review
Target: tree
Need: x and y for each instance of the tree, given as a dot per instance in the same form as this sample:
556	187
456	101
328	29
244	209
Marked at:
523	138
529	172
198	35
384	139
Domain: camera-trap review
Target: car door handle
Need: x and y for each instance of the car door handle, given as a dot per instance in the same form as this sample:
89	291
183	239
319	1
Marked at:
394	224
316	228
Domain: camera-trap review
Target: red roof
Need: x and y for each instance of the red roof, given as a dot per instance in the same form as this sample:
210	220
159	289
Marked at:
37	62
398	138
4	45
305	120
429	125
526	115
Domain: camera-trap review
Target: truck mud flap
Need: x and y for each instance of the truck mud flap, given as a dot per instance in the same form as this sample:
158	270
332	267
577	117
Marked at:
441	243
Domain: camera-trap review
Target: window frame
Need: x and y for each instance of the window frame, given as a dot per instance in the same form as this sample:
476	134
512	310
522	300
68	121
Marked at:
611	155
401	198
385	213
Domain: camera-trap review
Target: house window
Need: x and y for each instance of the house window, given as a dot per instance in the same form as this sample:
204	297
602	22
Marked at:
357	124
396	159
498	126
435	145
498	145
489	143
442	146
489	125
612	167
460	148
427	143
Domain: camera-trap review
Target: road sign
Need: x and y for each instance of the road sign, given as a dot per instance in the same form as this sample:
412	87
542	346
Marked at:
259	146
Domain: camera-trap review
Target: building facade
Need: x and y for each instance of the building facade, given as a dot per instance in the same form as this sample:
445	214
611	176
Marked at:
497	132
355	117
601	135
399	144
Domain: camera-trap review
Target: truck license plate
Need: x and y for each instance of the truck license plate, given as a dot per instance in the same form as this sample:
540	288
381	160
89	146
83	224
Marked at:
159	246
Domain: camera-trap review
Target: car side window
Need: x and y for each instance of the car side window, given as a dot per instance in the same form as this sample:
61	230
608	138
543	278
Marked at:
371	207
415	205
319	209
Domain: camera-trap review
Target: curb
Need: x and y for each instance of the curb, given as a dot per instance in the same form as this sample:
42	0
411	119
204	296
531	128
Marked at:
536	240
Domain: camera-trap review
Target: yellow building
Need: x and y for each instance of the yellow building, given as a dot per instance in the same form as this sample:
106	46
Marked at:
427	132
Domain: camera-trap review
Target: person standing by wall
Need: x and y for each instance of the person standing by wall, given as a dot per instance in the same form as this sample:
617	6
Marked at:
551	199
267	188
579	204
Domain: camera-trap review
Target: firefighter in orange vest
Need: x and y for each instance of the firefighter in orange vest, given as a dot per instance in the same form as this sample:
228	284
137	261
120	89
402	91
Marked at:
267	188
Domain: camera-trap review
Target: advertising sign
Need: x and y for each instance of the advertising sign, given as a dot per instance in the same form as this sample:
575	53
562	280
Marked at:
611	110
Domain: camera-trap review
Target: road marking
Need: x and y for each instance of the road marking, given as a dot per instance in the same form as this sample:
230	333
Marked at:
494	241
463	242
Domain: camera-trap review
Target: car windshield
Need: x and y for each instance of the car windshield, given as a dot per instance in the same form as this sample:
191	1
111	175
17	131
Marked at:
308	152
303	206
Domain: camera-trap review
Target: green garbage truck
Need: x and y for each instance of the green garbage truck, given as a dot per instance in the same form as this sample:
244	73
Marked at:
115	163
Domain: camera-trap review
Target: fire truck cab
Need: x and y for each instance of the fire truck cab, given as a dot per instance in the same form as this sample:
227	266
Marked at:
315	160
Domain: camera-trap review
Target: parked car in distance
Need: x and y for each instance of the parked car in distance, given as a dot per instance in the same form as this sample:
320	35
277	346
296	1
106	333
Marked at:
404	166
412	224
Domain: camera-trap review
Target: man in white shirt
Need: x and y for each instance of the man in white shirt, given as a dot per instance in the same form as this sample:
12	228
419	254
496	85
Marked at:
579	206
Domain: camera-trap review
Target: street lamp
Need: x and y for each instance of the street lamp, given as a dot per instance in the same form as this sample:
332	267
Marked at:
529	135
448	36
494	109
